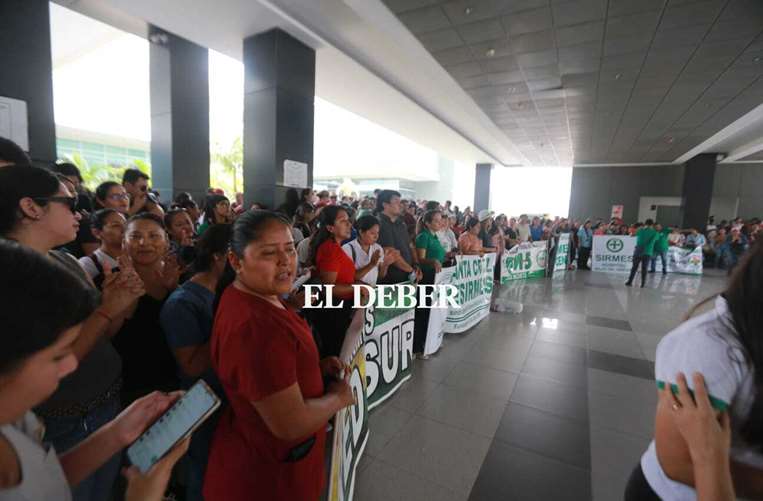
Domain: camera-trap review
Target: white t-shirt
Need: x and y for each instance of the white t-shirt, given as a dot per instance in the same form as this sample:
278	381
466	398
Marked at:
361	259
523	231
303	252
89	266
706	345
296	235
447	239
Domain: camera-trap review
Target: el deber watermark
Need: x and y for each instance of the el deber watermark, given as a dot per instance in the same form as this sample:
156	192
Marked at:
385	296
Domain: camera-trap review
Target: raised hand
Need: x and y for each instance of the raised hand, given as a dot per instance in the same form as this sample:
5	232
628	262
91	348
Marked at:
120	289
169	274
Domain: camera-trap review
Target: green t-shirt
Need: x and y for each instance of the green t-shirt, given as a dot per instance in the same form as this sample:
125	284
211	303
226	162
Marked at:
645	239
429	241
662	240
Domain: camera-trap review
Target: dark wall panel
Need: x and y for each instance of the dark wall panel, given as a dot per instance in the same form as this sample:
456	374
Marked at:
595	190
26	70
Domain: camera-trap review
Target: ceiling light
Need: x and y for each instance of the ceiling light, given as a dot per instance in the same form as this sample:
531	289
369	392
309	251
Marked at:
669	139
756	59
490	52
618	76
512	90
468	11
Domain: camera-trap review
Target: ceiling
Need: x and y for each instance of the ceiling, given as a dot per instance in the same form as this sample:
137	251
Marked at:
358	67
602	81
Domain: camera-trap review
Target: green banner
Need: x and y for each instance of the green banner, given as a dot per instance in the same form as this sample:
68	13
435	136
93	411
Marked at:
388	339
473	276
562	259
526	260
351	423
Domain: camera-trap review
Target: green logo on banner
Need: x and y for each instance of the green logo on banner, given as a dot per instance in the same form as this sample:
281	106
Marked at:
540	258
614	245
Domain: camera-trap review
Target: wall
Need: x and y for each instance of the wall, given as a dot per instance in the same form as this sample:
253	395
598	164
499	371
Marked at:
596	189
742	181
645	206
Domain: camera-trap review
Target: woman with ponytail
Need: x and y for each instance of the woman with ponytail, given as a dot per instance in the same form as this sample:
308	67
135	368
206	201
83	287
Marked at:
270	441
725	346
334	267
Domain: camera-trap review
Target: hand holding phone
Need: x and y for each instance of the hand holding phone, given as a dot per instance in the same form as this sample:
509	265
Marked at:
185	415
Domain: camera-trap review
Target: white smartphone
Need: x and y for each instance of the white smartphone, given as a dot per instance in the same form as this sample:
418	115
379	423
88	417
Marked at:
180	420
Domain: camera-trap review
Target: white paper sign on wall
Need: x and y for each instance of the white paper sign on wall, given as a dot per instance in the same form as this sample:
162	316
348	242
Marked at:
294	174
13	121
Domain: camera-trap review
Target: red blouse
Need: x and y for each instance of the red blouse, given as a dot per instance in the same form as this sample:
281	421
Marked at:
257	350
331	258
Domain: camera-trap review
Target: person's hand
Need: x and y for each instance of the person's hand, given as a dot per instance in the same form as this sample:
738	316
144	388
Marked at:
707	435
120	289
141	414
297	299
419	275
375	257
169	274
343	390
333	367
152	485
390	255
437	266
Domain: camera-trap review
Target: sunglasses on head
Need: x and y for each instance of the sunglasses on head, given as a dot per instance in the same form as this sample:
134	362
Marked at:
70	202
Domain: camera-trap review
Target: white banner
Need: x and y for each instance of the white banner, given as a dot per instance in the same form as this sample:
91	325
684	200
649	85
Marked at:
473	276
687	261
438	316
526	260
613	253
562	259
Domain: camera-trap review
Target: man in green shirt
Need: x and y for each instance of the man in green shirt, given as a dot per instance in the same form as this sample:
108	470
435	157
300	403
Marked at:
660	248
646	238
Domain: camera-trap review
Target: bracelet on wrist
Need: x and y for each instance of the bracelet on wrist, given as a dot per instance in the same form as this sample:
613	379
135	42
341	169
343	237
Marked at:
101	313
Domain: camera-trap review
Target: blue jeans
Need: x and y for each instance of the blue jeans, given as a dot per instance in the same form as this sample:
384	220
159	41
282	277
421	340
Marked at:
66	432
663	256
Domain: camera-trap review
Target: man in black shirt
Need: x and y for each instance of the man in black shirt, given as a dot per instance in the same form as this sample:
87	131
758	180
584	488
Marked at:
393	232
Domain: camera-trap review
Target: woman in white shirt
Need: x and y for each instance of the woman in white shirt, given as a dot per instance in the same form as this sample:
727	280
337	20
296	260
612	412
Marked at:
42	313
108	226
725	345
371	260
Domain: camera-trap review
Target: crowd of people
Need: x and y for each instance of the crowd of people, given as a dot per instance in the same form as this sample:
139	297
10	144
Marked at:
118	301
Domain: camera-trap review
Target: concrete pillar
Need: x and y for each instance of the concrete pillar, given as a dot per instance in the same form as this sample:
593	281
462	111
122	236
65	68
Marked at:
699	173
482	187
279	95
27	70
179	116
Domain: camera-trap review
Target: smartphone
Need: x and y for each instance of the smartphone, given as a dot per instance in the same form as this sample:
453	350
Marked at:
180	420
716	403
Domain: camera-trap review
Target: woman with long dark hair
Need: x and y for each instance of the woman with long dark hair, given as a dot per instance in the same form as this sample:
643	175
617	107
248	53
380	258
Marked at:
270	440
43	311
725	345
216	211
303	219
38	211
337	269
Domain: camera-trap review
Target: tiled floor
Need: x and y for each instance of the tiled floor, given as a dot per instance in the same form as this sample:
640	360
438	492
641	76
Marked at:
554	403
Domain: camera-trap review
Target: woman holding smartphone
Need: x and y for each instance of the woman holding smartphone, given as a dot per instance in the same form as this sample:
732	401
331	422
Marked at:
724	345
42	314
270	441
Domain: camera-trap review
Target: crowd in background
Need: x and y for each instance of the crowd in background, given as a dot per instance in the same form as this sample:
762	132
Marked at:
134	298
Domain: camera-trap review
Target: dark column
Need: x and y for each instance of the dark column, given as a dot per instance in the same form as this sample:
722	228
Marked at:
279	95
699	173
27	70
482	187
179	116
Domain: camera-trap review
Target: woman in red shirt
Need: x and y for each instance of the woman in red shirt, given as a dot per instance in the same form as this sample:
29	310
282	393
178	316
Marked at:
270	441
335	268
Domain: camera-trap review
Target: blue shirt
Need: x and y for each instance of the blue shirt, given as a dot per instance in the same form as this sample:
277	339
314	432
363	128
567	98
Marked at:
585	237
186	319
697	240
536	233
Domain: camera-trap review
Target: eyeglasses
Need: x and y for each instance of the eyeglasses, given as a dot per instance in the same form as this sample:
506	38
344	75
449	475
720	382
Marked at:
119	196
70	202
